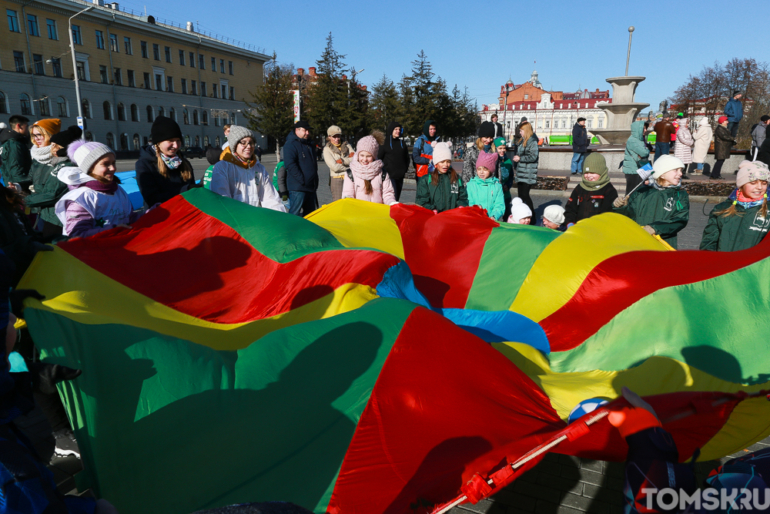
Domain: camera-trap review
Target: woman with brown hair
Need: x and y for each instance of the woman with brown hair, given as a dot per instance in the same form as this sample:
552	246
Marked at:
162	172
527	155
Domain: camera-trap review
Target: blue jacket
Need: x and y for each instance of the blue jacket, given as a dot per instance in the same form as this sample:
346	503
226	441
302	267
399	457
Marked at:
734	111
301	164
422	146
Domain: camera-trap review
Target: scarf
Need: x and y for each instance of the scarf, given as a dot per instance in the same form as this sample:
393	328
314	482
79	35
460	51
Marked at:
604	179
101	187
737	196
232	158
365	172
172	162
43	155
655	184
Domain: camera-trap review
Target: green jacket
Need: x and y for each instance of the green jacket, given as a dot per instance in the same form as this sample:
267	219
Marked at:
506	172
733	233
17	160
526	171
666	210
636	151
487	194
17	240
48	190
442	197
207	175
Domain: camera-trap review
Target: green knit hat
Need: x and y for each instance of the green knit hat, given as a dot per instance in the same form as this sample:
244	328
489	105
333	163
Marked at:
595	163
500	141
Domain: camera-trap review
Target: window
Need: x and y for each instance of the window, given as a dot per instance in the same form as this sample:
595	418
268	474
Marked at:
216	121
61	103
156	51
121	112
601	122
589	123
44	106
56	64
187	140
161	112
547	123
13	21
51	26
185	117
181	57
86	106
214	64
168	54
172	114
184	86
99	40
114	43
124	141
118	77
170	84
89	136
232	119
203	88
197	140
134	112
110	140
131	80
77	38
143	44
32	25
205	118
224	91
26	105
81	70
230	67
107	110
103	74
217	142
232	93
18	61
150	114
205	141
159	82
147	81
127	46
192	59
193	87
201	62
526	97
195	118
214	90
136	142
37	61
221	65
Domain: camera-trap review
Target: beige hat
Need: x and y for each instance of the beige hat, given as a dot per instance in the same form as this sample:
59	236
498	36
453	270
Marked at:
333	130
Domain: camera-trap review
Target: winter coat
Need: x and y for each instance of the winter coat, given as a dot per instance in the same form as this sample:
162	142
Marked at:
730	234
663	131
444	196
48	190
764	152
279	179
734	110
422	153
759	134
702	141
526	171
394	154
248	185
723	142
17	239
301	166
154	187
506	172
382	191
469	164
666	210
487	194
583	204
579	138
332	154
636	151
17	159
684	144
499	130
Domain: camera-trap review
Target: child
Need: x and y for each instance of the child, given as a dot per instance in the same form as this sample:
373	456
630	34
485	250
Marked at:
663	207
741	221
212	155
553	217
594	195
366	179
520	213
484	143
506	173
484	190
279	181
95	202
442	189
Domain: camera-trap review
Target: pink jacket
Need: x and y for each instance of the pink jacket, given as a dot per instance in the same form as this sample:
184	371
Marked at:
381	192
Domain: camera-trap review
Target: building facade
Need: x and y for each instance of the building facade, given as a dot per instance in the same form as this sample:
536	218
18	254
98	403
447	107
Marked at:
131	69
551	113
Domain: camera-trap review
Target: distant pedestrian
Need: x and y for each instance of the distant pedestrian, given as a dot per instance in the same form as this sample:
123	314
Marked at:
213	156
422	153
301	170
527	157
759	134
579	145
14	148
394	155
684	145
258	153
663	132
337	155
443	189
226	129
723	143
637	155
595	193
485	142
367	180
734	113
498	127
702	138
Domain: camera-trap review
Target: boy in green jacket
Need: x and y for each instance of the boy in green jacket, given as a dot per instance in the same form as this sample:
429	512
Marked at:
442	189
506	173
484	190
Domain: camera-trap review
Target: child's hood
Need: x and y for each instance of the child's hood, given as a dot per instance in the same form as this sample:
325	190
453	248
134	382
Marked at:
485	181
73	176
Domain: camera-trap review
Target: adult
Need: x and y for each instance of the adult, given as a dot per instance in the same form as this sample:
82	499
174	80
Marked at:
759	134
484	142
162	172
527	156
301	170
240	176
422	153
394	155
702	138
16	157
258	153
579	146
734	113
40	134
723	142
337	156
48	189
684	145
226	129
663	132
637	155
498	127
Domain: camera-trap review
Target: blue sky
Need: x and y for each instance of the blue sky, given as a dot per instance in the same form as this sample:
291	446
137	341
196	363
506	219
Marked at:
481	45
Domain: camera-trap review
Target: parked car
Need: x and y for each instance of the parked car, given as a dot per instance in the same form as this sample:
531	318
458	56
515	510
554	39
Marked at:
194	151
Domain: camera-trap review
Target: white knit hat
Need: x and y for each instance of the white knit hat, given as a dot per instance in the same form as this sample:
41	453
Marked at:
664	164
519	210
442	152
554	214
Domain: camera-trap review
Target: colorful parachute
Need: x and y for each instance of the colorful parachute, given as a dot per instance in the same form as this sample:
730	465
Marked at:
235	354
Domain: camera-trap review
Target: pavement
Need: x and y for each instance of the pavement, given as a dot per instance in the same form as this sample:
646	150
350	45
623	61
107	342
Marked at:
559	484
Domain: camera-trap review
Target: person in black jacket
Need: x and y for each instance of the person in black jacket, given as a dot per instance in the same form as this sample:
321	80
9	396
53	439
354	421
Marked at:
162	172
301	170
498	127
394	155
579	145
594	195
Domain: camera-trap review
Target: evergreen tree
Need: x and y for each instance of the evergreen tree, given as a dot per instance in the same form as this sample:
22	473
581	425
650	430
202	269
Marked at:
385	105
272	104
412	126
354	116
424	91
328	97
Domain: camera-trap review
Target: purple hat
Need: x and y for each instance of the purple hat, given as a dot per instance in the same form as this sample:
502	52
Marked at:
487	160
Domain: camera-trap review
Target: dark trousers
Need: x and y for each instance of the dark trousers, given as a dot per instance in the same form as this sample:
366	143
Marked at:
523	192
732	126
632	180
302	203
398	185
717	171
662	149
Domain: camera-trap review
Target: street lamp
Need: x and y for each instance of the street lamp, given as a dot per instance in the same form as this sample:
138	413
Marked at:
75	64
628	55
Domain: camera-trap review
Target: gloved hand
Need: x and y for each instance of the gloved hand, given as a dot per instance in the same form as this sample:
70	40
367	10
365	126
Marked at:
40	247
17	297
620	201
46	376
649	230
